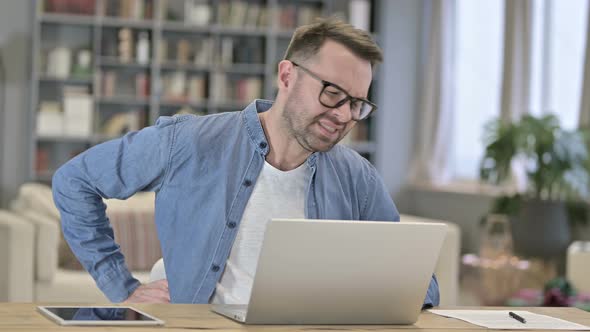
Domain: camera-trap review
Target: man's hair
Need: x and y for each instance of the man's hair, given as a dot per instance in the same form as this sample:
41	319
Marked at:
308	39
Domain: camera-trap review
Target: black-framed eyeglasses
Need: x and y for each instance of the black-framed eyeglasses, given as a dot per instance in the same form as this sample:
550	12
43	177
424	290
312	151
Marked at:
333	96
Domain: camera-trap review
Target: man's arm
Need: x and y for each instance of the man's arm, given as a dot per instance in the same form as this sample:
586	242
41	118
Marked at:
380	206
432	295
115	169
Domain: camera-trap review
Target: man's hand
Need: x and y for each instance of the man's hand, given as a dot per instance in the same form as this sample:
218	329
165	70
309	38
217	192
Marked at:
154	292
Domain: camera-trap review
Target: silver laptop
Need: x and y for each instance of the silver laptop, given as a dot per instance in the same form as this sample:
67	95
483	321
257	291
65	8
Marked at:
341	272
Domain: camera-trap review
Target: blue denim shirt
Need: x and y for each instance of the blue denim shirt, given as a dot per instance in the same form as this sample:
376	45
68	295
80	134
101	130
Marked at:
203	170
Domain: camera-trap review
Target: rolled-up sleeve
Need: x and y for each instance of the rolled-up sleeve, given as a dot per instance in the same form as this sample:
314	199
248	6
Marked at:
116	169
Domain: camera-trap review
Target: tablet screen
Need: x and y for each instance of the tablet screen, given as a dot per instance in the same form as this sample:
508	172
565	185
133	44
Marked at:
98	314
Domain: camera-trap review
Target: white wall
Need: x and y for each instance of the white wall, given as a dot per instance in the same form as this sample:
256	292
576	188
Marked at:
399	25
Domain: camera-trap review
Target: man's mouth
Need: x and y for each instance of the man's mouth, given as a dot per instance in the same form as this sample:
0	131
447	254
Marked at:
329	129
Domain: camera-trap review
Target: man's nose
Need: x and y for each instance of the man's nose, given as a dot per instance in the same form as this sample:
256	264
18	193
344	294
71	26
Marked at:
344	112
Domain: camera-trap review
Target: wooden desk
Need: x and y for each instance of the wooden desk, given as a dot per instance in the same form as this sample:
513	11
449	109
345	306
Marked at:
23	317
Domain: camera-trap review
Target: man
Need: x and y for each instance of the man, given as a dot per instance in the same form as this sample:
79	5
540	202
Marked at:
219	178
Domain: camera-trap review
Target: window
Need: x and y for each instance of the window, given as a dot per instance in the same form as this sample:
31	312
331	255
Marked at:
557	69
566	52
478	78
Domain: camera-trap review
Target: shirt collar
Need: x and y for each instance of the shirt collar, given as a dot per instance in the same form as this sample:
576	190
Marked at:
253	125
255	131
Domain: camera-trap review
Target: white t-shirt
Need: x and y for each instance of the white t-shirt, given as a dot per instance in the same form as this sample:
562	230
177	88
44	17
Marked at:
276	194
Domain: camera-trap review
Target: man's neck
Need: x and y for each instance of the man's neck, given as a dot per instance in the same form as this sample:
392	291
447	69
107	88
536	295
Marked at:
285	152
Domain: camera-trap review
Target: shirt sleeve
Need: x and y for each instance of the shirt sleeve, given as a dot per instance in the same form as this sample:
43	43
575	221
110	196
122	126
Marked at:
116	169
380	206
376	203
432	295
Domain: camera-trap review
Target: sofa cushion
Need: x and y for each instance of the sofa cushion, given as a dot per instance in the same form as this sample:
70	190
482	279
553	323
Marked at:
35	202
135	232
36	197
16	258
133	223
47	235
447	266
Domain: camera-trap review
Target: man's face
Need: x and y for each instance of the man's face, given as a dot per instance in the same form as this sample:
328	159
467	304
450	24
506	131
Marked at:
314	126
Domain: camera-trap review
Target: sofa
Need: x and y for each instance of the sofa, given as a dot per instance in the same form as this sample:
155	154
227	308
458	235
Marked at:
37	265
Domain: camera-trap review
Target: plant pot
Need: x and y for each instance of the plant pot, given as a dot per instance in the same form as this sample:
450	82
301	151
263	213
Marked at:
541	229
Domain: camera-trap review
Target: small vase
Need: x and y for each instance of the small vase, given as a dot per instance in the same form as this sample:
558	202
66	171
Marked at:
496	237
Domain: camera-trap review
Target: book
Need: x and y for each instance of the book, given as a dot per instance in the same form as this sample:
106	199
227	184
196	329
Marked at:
80	7
227	51
183	49
253	89
163	50
247	89
204	52
124	8
175	86
49	119
361	132
137	9
78	112
248	50
109	83
287	17
307	14
125	46
237	13
252	14
196	89
42	160
263	17
223	12
219	87
142	85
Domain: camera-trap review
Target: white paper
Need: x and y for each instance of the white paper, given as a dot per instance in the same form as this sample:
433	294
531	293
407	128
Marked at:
499	319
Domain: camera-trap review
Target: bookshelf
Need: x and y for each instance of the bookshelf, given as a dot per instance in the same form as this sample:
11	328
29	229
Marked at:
102	68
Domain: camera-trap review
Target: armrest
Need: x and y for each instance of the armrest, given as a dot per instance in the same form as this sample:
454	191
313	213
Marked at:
578	265
447	266
16	258
47	236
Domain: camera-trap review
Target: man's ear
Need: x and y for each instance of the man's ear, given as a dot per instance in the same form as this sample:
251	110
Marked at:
285	75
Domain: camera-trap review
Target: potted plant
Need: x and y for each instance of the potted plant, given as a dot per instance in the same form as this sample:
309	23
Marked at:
557	167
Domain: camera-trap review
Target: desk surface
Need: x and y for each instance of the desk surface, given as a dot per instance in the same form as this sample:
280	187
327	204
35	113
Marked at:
23	317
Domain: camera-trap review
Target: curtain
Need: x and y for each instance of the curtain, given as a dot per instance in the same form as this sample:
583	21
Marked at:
517	71
584	119
432	161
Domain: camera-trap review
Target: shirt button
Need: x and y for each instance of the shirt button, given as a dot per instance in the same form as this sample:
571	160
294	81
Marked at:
262	145
231	224
215	268
247	183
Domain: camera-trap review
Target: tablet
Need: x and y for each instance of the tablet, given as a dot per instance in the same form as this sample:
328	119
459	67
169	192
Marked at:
98	315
